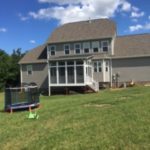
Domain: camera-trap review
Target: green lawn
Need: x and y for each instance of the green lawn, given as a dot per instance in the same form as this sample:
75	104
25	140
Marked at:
106	120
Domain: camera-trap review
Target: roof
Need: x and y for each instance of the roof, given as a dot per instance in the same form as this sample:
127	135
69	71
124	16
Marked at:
83	30
36	55
132	46
72	57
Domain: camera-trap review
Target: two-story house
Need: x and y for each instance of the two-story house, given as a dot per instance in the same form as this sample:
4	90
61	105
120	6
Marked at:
84	54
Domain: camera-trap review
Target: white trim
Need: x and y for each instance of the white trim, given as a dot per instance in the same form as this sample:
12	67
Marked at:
103	68
84	71
21	76
104	46
49	79
75	48
98	46
66	72
57	73
68	49
75	73
84	47
69	84
111	72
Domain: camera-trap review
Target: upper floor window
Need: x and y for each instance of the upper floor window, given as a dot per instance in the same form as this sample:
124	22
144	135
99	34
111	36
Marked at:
97	66
67	49
86	47
52	50
95	46
29	70
105	46
77	48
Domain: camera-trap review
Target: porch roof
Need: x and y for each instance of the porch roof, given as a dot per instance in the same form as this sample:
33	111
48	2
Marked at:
71	57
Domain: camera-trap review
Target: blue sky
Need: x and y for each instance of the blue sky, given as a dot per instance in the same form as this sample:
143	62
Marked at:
28	23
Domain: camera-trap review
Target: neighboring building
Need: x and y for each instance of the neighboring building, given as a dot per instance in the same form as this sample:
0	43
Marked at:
87	54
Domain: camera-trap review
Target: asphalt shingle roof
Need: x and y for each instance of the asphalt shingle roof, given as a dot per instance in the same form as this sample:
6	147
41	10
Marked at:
84	30
132	45
36	55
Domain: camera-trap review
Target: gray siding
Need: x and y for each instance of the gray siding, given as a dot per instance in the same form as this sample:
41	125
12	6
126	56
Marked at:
60	47
137	69
39	76
98	76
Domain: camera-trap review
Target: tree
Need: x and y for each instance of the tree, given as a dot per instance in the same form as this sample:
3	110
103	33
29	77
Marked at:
4	68
14	68
9	68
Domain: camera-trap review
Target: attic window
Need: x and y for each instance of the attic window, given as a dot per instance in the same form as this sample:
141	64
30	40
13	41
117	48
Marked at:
86	47
67	49
105	46
29	70
52	50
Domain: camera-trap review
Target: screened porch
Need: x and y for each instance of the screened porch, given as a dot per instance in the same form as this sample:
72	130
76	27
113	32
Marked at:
70	73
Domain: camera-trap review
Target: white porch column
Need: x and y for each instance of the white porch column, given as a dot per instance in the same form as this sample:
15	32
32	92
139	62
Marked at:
57	72
84	71
103	68
21	76
75	73
66	73
110	72
49	78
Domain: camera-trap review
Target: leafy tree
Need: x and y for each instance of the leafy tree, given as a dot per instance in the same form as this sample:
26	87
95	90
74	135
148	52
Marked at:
14	68
9	68
4	68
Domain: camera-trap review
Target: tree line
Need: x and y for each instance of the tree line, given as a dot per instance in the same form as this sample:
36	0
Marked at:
9	68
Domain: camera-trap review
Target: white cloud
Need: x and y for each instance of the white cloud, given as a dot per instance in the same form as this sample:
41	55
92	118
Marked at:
23	18
135	28
76	10
138	27
135	9
32	41
126	6
148	17
3	30
137	14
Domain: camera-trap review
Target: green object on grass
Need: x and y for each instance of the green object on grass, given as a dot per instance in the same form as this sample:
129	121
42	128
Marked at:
33	115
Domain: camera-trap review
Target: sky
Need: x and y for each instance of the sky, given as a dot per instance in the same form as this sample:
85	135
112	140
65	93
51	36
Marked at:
26	24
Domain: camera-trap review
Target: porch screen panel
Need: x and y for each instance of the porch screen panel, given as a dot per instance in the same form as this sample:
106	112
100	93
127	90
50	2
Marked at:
70	71
80	74
62	75
53	75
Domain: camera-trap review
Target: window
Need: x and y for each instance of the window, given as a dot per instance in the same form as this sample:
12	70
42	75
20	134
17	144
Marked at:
52	50
29	69
97	66
107	66
86	47
53	75
67	49
95	46
77	48
105	46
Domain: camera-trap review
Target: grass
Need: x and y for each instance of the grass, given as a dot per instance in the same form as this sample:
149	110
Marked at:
105	120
